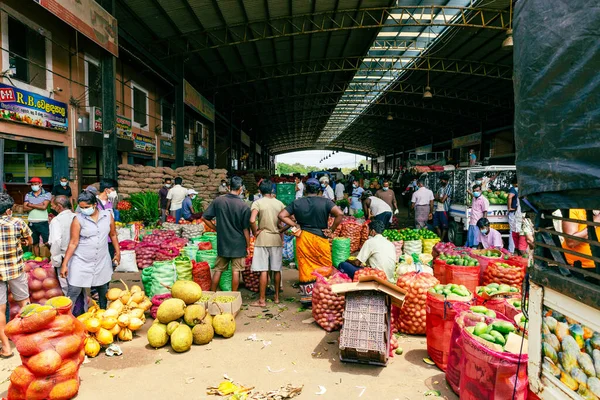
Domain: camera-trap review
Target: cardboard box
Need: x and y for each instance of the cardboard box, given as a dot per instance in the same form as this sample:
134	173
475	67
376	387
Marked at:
205	303
233	307
372	283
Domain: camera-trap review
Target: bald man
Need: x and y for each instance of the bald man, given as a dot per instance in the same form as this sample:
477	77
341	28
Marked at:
60	234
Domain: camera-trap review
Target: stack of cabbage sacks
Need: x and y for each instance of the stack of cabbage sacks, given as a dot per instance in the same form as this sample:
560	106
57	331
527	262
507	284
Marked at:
163	277
50	342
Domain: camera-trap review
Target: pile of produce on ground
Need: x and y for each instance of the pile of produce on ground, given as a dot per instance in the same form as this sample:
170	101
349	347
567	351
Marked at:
328	307
50	342
123	316
183	319
138	178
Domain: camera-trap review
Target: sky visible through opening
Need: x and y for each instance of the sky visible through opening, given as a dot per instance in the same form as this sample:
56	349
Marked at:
312	157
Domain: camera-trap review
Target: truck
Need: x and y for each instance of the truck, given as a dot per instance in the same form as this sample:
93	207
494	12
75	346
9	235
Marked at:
556	141
496	181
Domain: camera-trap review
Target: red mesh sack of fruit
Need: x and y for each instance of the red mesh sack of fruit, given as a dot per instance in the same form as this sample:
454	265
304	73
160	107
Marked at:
441	312
495	296
50	343
509	272
412	317
442	247
490	374
369	272
364	232
456	359
463	275
205	246
352	230
251	279
328	307
43	285
201	274
439	270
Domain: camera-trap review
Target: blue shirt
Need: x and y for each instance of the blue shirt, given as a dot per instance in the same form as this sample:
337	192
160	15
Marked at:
356	193
514	204
186	206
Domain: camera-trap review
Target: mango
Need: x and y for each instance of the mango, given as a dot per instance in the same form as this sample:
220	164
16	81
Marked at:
549	352
595	341
576	332
570	346
596	358
552	340
550	323
499	338
586	364
585	393
567	361
561	331
550	367
488	337
594	386
579	376
503	326
480	328
570	382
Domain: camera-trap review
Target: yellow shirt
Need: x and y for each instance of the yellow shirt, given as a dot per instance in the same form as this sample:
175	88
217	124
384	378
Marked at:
268	210
583	248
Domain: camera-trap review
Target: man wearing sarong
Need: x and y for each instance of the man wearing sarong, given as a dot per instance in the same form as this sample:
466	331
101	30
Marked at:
313	251
422	203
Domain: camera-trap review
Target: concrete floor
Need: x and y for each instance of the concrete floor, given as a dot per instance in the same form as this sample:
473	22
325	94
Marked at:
300	354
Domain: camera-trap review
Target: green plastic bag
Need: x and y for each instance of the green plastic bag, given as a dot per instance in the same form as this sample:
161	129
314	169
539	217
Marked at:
210	237
147	281
210	256
183	266
340	250
190	251
225	281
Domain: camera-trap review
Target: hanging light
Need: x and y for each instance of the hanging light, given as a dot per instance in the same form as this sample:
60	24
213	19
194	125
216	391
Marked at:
507	44
427	93
390	117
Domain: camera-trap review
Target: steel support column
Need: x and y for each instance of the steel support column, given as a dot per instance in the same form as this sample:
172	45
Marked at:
179	114
109	107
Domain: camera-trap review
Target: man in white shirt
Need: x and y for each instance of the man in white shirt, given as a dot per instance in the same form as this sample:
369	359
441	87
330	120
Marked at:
376	209
422	203
377	253
60	235
175	199
339	190
299	188
327	190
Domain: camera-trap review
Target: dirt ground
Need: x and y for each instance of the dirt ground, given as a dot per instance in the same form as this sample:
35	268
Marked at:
288	351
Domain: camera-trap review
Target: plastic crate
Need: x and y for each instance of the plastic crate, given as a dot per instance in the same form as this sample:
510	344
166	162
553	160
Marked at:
365	336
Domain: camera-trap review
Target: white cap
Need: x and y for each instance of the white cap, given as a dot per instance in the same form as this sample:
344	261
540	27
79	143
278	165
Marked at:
324	179
192	191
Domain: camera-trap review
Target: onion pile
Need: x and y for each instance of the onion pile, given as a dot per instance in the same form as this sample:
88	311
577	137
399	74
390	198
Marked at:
393	345
442	247
353	231
412	318
328	307
251	279
144	254
369	272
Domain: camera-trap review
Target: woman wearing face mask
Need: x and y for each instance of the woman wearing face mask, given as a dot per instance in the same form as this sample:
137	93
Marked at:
87	263
479	209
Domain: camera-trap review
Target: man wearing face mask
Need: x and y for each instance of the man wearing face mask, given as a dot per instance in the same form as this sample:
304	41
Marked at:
188	208
377	253
36	203
355	200
489	238
388	196
62	189
440	217
515	219
326	189
223	187
14	235
479	209
162	196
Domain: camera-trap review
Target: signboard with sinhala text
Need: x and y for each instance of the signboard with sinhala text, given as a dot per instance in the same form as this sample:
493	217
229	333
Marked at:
29	108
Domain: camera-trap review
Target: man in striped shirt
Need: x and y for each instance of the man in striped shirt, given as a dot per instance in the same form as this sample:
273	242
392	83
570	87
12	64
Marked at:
442	197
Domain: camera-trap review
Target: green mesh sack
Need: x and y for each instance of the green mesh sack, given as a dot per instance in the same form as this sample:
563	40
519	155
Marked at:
210	256
225	281
183	267
210	237
163	276
340	250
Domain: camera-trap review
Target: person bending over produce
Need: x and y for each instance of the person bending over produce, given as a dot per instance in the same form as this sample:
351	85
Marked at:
489	238
377	253
87	262
268	246
233	234
375	208
313	250
14	233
